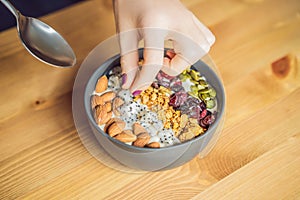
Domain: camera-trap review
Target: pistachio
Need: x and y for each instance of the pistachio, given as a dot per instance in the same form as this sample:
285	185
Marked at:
204	96
203	83
194	89
210	103
195	75
212	92
204	91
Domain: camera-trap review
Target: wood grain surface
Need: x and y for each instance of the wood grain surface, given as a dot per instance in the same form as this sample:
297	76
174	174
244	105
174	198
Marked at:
257	155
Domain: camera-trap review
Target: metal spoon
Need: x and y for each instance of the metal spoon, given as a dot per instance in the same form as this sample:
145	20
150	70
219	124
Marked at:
42	41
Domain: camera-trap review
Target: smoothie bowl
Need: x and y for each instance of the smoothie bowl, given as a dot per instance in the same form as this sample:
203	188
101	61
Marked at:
163	127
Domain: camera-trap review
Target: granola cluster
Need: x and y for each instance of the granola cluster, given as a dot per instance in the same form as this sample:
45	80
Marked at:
157	100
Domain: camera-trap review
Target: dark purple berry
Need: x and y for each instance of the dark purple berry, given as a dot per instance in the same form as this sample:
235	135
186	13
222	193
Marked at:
202	105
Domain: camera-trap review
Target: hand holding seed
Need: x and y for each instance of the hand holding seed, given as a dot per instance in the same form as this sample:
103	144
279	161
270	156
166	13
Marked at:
154	22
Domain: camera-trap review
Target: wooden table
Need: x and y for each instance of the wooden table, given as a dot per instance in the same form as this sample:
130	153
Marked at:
256	156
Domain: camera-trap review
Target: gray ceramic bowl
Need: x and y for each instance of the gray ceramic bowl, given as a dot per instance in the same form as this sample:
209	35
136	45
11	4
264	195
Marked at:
155	159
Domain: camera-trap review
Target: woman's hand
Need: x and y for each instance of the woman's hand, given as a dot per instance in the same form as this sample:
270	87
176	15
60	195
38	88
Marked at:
155	21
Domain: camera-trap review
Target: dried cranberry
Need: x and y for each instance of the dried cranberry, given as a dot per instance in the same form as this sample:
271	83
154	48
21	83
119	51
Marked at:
192	101
174	101
203	113
177	88
201	123
167	76
159	77
164	83
177	99
194	112
209	119
176	81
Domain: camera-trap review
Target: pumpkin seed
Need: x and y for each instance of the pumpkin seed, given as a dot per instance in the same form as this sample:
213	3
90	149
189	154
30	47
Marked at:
203	96
195	75
200	87
212	92
183	77
204	91
193	94
194	89
203	83
210	103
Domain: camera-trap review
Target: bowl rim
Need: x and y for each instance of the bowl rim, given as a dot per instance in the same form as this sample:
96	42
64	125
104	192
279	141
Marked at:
88	110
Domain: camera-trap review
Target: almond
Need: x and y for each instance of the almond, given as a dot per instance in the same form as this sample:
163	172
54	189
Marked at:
99	113
108	106
153	145
138	128
116	128
110	122
108	96
96	100
102	84
142	140
117	102
126	136
105	118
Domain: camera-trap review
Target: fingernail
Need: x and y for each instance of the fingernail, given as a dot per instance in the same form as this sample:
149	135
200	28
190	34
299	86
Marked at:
137	92
124	78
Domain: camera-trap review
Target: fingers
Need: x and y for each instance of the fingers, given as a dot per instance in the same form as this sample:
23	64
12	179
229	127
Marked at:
153	60
174	66
188	48
129	65
208	35
129	57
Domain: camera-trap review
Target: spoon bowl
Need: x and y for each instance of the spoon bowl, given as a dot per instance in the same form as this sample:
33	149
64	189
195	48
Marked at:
42	41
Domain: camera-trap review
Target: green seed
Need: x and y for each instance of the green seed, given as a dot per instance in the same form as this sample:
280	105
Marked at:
203	83
188	76
204	91
210	103
203	96
200	87
182	77
212	92
195	82
193	94
195	75
194	88
201	78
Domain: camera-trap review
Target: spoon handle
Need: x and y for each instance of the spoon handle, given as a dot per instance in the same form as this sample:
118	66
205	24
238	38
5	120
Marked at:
11	8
